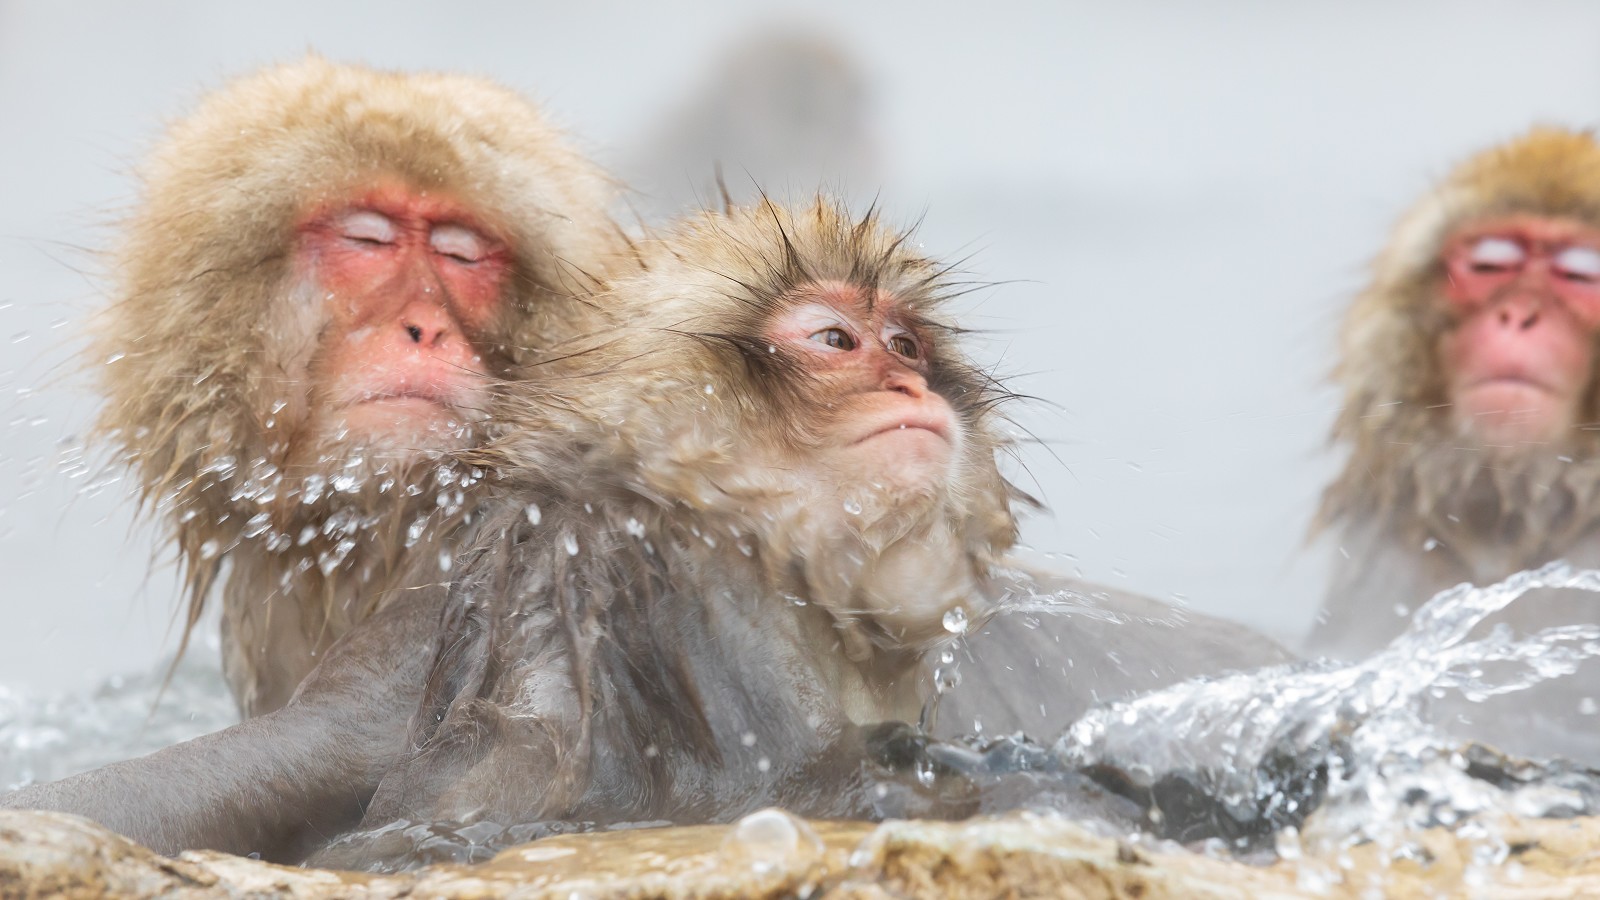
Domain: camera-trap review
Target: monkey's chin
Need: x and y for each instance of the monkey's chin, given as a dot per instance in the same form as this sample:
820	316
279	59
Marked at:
401	423
1512	412
905	457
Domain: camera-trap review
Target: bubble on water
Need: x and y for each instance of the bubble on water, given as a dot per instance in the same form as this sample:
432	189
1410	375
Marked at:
955	621
772	840
533	513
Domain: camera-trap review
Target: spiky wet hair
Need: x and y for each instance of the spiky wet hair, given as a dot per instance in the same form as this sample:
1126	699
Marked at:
1396	400
672	407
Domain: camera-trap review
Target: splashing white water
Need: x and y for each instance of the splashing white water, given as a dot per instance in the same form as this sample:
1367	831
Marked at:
45	737
1253	740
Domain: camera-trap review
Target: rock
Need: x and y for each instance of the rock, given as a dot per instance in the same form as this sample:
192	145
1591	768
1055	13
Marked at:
772	854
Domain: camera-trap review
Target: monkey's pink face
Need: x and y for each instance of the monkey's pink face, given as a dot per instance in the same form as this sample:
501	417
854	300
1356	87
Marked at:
412	289
884	424
1525	292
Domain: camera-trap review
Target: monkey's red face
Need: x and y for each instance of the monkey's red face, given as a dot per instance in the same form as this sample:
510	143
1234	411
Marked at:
1525	295
412	289
883	421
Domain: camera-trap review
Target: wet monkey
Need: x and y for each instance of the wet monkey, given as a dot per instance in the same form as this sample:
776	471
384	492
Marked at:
327	269
1469	370
722	537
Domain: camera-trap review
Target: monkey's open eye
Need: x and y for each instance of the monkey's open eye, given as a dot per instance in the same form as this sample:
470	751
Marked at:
903	345
458	243
837	338
1495	254
1579	263
367	227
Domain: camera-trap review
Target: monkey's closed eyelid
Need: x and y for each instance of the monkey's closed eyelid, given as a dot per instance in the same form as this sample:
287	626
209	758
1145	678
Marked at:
1579	262
366	225
458	242
1496	252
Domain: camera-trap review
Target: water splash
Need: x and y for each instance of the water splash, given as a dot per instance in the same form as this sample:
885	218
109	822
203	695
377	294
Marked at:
1255	753
45	737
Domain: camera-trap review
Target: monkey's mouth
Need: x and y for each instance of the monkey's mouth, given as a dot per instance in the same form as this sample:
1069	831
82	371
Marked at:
927	424
420	402
1508	382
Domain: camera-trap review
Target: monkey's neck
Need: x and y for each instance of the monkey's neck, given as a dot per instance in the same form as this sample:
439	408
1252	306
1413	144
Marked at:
1500	511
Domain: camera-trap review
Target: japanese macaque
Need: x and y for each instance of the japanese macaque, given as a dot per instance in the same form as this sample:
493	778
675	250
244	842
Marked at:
329	268
1469	375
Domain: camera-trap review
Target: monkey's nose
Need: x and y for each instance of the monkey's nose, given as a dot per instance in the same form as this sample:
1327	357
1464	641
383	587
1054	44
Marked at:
911	384
426	324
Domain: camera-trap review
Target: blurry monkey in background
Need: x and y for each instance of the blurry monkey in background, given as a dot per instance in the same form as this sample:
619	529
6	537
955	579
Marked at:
328	268
1469	369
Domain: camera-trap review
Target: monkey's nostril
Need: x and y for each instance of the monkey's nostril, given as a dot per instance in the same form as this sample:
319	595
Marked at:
415	332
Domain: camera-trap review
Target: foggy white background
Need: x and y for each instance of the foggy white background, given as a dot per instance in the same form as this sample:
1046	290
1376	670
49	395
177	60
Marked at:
1180	198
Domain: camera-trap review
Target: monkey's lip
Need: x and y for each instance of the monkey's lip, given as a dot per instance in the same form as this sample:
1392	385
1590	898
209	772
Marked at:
1509	380
418	398
938	426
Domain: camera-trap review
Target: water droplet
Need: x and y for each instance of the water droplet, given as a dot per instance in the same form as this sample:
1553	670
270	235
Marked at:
763	764
634	527
1429	545
533	513
114	357
748	739
955	621
19	337
852	507
571	544
208	549
710	389
445	561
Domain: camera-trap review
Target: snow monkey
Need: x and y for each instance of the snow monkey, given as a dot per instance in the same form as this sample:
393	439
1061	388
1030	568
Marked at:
329	267
716	542
1469	370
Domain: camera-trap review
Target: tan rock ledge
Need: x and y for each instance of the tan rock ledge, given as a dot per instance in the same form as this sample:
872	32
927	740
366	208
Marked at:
774	855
